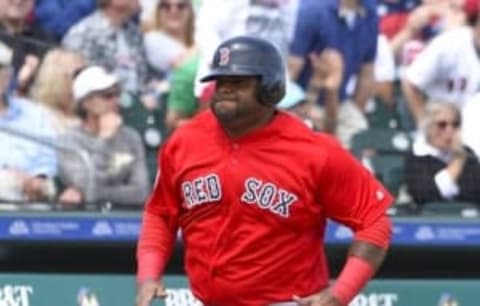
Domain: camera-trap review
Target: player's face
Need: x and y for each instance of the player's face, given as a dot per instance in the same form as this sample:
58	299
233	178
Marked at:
443	130
235	98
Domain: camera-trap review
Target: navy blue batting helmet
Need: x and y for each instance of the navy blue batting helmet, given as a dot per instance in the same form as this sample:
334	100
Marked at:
251	56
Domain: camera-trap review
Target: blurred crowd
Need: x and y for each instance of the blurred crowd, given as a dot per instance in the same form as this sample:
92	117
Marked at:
89	89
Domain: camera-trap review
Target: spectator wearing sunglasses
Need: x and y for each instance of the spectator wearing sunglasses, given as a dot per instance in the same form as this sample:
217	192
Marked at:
171	50
440	167
115	150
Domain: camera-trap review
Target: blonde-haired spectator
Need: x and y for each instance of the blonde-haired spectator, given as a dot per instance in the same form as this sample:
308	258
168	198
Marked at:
170	38
53	87
171	50
27	167
440	167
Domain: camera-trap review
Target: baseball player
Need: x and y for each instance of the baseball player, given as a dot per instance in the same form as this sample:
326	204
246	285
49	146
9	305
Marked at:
251	188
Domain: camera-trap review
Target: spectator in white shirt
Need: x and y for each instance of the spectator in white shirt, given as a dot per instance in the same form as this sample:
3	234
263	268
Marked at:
448	69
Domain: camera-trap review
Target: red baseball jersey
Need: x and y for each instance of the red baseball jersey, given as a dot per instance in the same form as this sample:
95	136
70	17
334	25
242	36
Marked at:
252	211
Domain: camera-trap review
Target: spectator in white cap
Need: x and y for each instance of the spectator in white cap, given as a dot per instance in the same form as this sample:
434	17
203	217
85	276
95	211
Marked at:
93	83
27	166
115	150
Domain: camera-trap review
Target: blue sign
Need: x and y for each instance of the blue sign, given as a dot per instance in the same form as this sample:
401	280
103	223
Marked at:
69	228
420	232
126	228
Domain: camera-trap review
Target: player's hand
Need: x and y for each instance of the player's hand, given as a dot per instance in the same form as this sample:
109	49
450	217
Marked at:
149	290
323	298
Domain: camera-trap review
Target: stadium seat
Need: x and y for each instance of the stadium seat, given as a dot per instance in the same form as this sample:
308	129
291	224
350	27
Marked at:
382	150
389	170
406	209
150	123
380	141
379	115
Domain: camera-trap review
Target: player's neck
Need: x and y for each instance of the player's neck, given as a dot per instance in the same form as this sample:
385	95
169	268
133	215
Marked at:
241	127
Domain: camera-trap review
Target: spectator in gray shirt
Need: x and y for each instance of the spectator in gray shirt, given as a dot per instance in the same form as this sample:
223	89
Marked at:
114	151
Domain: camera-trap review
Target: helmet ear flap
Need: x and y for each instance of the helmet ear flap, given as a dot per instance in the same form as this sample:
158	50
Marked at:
270	94
263	96
277	91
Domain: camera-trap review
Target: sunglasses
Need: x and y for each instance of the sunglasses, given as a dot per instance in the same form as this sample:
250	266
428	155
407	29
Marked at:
109	94
443	124
168	6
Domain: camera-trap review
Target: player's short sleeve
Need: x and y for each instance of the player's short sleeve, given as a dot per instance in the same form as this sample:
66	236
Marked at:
348	192
427	66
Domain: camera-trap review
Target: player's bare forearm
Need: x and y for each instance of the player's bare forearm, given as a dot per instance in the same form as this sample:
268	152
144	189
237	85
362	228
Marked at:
365	88
369	252
348	284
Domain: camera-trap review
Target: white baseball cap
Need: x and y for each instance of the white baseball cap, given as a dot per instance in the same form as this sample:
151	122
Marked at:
90	80
294	94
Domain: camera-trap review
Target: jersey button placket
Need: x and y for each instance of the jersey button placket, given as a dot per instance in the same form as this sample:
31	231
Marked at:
234	158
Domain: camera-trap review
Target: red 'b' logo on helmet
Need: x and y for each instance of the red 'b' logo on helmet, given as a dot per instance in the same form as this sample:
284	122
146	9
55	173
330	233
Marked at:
224	56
